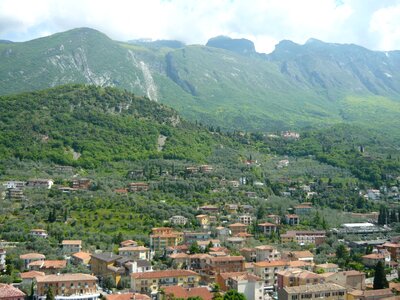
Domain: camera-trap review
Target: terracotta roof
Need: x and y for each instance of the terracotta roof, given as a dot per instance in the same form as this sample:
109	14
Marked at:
82	255
128	243
128	296
32	256
201	216
179	255
246	276
49	264
219	249
227	275
327	265
66	277
106	257
243	234
182	293
391	245
375	256
8	291
228	258
264	247
163	274
237	225
301	254
38	230
199	255
31	274
71	242
322	287
137	248
274	263
291	216
299	263
372	293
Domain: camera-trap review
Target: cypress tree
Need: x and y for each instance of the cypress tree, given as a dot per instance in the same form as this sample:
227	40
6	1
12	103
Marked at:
380	281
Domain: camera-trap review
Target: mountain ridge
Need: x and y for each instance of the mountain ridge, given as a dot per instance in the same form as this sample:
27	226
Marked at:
315	84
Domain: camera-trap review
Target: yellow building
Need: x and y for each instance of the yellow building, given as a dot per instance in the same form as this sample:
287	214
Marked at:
69	286
150	282
203	220
296	277
164	237
102	265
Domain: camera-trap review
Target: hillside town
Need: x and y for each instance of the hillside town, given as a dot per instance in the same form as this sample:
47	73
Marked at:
228	249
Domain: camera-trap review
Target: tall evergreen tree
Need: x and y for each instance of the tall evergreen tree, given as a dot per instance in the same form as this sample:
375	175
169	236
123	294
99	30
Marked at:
380	281
49	294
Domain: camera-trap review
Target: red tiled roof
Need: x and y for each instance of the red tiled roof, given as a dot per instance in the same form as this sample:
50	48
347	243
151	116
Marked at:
136	248
8	291
274	263
31	274
66	277
163	274
32	256
82	255
228	258
237	225
182	293
267	224
128	296
49	264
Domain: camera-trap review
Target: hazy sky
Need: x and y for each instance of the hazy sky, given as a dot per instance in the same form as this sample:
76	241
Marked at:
374	24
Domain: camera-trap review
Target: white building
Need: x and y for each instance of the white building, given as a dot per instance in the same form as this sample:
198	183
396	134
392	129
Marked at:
245	219
248	284
2	259
178	220
71	246
39	233
267	253
374	194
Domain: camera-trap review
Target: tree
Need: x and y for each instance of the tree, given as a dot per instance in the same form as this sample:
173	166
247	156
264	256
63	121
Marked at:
234	295
380	281
49	294
194	248
217	296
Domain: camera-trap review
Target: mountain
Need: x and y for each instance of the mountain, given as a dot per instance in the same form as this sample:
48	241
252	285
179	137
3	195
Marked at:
241	46
226	83
86	125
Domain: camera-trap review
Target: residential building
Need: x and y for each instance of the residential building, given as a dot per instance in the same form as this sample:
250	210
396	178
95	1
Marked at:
302	209
163	237
249	254
350	279
191	170
68	286
30	257
225	264
393	249
191	237
245	219
179	260
296	277
292	219
304	237
138	187
301	264
274	219
370	260
248	284
371	295
213	243
139	266
304	255
209	208
128	296
39	233
14	184
48	266
327	268
237	228
360	228
178	220
103	265
268	271
2	259
81	183
222	232
150	282
198	262
81	258
268	228
71	246
203	220
373	194
29	277
328	291
179	292
136	253
231	208
235	242
15	194
128	243
206	169
8	292
40	183
267	253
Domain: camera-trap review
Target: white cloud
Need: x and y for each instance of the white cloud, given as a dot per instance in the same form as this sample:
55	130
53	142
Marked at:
192	21
386	23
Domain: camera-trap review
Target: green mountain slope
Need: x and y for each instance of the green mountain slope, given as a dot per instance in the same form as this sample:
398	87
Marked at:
86	125
225	83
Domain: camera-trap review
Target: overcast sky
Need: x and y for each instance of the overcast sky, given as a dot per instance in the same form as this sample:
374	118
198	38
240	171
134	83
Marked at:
374	24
